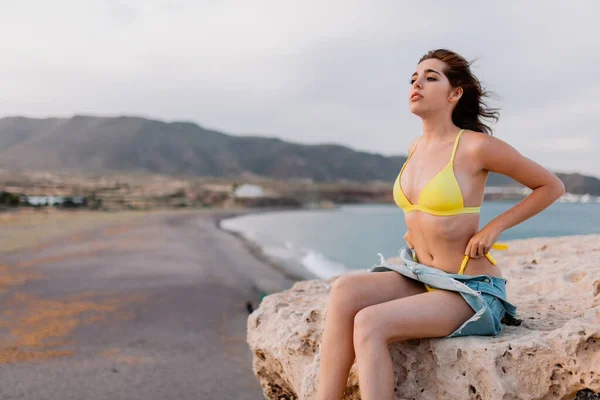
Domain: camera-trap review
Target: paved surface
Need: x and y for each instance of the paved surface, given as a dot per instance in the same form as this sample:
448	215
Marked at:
150	310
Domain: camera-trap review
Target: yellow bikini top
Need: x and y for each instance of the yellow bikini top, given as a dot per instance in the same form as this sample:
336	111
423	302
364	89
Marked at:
441	195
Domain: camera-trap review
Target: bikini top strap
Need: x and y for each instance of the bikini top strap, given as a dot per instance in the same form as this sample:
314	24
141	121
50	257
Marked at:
410	154
455	145
415	146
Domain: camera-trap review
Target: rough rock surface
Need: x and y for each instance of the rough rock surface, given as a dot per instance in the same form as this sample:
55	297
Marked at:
554	354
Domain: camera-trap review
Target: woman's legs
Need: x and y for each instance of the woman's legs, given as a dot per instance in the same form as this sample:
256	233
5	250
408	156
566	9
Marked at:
350	294
427	315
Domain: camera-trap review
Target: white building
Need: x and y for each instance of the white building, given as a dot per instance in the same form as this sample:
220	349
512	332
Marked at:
44	200
247	191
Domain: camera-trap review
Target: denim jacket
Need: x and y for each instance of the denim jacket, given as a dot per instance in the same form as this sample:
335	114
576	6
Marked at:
473	288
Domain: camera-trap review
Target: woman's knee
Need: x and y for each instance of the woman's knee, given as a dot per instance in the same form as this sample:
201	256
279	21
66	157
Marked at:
367	328
343	293
352	292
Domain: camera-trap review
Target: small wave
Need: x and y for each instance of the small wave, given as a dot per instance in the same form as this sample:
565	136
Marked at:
297	259
322	266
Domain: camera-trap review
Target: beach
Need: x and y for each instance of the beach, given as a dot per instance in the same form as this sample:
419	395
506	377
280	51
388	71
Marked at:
149	305
155	305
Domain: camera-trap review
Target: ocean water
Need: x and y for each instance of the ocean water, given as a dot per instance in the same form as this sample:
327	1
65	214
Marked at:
325	243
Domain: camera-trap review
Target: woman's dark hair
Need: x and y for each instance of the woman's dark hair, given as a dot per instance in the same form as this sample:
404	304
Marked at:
471	108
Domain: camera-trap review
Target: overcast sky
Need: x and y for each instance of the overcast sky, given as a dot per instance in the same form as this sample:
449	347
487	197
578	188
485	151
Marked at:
333	71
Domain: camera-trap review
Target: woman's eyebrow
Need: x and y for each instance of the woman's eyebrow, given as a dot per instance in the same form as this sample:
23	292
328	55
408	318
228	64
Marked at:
428	70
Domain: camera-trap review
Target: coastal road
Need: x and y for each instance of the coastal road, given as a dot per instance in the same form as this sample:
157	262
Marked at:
151	309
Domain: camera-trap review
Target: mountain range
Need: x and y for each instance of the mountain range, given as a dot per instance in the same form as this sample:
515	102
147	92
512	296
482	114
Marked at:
90	144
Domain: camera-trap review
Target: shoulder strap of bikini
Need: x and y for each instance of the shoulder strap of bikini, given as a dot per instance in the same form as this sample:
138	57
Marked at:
415	146
456	145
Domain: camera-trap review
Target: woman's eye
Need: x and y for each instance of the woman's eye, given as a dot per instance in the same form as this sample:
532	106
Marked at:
432	79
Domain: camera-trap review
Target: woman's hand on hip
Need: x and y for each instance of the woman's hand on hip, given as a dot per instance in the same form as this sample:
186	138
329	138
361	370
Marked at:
481	243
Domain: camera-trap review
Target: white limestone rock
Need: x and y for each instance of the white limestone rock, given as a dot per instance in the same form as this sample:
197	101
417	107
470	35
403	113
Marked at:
554	354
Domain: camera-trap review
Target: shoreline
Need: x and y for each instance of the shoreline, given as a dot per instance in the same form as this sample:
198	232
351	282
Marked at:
39	229
256	250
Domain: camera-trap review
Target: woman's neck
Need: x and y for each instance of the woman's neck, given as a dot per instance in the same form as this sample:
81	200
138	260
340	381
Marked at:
439	129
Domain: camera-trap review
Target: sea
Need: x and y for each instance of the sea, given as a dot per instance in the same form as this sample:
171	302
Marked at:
323	243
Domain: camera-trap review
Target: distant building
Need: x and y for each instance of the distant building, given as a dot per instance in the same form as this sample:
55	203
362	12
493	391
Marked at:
248	191
38	201
44	200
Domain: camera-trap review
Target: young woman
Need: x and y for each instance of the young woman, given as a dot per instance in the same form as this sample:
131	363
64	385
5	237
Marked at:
447	284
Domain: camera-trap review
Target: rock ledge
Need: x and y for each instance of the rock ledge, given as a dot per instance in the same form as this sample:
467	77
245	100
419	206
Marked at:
554	354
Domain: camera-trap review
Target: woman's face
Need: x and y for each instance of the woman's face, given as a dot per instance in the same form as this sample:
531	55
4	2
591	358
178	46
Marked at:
430	91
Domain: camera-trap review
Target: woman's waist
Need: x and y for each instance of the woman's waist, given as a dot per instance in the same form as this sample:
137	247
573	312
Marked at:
452	260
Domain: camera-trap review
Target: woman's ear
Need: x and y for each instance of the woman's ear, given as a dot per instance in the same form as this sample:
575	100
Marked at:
455	95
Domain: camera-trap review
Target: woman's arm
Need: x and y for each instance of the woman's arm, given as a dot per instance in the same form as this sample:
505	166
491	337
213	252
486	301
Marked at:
497	156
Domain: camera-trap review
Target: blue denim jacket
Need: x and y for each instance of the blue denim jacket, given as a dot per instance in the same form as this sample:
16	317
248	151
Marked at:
484	293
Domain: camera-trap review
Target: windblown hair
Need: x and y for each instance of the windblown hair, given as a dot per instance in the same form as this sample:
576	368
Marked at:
471	110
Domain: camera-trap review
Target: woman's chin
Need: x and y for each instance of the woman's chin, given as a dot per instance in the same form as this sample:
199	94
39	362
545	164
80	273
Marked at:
418	111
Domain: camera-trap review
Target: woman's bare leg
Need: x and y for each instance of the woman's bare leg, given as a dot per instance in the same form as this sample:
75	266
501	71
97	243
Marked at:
350	294
432	314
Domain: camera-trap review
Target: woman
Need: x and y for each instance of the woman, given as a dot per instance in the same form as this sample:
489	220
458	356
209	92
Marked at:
455	288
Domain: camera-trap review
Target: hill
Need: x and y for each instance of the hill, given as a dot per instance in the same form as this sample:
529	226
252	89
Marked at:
101	145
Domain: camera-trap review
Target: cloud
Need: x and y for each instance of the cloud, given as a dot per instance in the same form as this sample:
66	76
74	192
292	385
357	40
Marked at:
312	72
570	144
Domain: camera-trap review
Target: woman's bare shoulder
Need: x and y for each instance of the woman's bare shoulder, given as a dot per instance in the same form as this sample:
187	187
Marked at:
475	144
495	155
475	139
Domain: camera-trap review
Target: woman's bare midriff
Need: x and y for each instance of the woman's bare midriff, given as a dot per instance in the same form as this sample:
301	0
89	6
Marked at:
440	242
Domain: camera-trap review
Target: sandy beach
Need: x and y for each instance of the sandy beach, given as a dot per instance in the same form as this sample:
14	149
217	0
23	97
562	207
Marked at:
128	306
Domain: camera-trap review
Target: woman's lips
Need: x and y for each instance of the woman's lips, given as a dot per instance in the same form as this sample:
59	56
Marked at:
416	97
